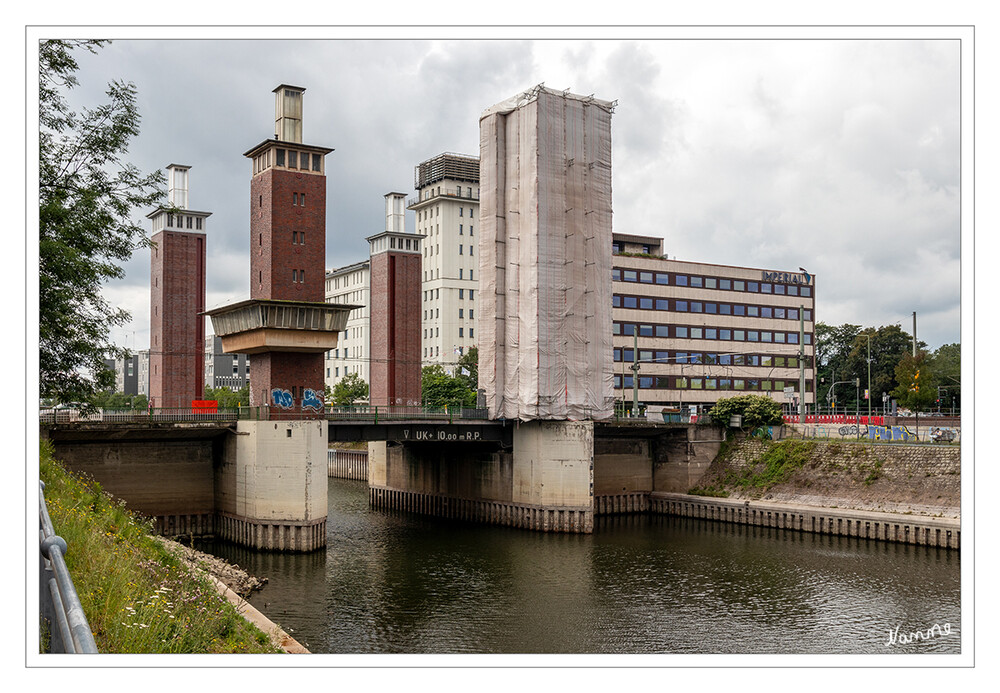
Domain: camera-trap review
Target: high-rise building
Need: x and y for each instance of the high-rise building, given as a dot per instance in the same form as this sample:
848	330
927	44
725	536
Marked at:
395	310
177	297
350	285
287	324
231	371
446	211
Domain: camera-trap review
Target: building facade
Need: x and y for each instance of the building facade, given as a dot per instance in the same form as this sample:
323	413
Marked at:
446	211
708	331
395	310
350	285
177	297
222	370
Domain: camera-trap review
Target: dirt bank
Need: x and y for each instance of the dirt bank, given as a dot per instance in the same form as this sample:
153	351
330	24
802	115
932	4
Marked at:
921	480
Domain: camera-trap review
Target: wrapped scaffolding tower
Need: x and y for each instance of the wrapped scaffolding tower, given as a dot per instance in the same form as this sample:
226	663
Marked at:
545	257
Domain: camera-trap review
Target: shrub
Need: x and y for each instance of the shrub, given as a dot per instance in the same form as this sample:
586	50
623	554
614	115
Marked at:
756	410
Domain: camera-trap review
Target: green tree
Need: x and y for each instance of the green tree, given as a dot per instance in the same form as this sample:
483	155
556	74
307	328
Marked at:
468	369
756	410
947	364
226	398
916	387
349	390
888	345
87	194
440	389
833	345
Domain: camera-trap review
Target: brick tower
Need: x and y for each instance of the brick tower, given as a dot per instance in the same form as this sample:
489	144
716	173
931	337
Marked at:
286	324
395	310
177	298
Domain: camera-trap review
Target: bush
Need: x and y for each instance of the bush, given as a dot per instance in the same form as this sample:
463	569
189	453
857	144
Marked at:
756	410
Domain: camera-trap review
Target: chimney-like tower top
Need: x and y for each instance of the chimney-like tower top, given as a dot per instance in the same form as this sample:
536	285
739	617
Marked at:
395	212
177	185
288	113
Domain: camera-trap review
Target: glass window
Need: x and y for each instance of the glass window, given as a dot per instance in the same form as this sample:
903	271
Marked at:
696	383
739	335
711	333
739	285
695	306
711	308
725	359
779	313
793	290
710	383
616	328
739	310
472	294
765	288
628	328
793	337
646	277
680	280
628	355
630	301
753	336
662	304
616	275
630	275
681	306
616	301
662	278
765	336
696	281
752	286
646	303
766	384
807	315
710	283
662	331
779	337
645	330
779	288
753	311
739	385
682	383
765	312
725	284
725	309
618	382
725	334
793	362
293	159
616	354
681	332
645	381
793	313
805	291
695	333
317	159
279	157
681	357
809	339
461	293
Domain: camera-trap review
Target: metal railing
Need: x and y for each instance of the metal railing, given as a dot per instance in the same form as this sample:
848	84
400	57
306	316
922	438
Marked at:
59	604
365	412
359	412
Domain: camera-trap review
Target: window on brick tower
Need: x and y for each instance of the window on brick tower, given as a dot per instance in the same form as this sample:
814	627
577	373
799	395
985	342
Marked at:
295	198
303	199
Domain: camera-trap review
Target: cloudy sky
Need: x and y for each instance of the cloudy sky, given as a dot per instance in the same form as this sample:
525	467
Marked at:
835	151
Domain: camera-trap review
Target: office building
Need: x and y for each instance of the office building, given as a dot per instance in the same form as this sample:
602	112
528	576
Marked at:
350	285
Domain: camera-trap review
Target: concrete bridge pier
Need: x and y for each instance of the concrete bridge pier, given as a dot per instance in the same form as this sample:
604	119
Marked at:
271	487
544	481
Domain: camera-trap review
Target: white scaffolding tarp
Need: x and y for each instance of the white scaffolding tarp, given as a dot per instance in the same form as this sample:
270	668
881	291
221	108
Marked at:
545	256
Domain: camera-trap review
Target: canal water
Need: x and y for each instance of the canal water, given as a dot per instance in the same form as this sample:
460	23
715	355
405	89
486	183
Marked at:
400	583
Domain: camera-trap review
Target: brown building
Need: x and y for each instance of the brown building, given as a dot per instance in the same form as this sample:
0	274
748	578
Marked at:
286	324
395	310
177	298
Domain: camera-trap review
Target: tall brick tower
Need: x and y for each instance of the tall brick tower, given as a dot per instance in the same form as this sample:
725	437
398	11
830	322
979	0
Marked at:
177	298
395	310
286	324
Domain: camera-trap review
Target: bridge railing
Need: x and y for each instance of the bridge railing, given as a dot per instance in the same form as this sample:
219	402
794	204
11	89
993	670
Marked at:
58	600
366	412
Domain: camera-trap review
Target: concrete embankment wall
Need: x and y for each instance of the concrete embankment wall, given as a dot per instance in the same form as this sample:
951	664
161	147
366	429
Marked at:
908	529
347	464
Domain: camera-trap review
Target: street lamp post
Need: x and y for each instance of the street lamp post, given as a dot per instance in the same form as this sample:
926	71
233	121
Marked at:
869	397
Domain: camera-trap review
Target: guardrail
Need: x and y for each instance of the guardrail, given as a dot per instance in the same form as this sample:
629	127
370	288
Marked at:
58	600
363	412
376	414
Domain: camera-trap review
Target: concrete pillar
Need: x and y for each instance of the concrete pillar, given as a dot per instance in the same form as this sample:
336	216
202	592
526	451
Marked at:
275	496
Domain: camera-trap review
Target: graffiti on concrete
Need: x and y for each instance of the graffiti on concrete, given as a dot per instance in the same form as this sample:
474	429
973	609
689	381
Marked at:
764	432
852	430
943	435
891	433
310	400
282	398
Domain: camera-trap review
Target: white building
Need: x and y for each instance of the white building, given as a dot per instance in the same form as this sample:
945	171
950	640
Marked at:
446	211
350	284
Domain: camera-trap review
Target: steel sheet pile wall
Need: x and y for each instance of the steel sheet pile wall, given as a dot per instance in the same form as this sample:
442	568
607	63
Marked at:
545	257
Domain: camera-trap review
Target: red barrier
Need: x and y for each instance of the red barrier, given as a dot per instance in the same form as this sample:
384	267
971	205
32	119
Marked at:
204	406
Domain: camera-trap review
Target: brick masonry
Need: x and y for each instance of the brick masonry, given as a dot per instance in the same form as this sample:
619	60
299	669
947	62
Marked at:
395	329
177	330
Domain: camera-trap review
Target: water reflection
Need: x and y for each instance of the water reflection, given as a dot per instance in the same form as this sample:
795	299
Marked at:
393	583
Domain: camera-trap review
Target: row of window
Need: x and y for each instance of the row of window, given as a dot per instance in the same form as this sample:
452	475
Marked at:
702	282
433	332
184	221
298	199
432	294
688	306
657	356
677	382
435	313
701	332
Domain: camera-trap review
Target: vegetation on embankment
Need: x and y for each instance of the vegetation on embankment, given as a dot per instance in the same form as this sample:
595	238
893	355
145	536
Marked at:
846	474
137	596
